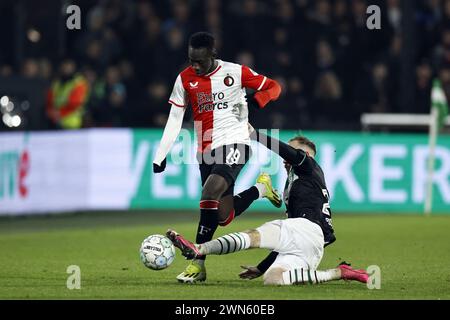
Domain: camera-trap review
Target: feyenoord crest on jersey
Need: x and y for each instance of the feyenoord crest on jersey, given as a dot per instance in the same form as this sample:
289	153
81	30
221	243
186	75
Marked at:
228	81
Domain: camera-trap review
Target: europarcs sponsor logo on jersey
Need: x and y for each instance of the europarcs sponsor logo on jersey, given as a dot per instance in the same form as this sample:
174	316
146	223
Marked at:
211	101
14	170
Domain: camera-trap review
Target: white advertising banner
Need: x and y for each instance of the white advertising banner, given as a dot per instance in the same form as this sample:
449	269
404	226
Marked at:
50	172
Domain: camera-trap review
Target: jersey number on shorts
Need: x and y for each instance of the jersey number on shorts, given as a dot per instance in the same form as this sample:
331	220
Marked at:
233	156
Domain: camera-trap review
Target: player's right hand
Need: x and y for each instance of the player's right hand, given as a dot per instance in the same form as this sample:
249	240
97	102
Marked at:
159	168
250	273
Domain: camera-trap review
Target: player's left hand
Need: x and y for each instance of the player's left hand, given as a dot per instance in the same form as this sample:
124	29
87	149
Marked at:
250	273
159	168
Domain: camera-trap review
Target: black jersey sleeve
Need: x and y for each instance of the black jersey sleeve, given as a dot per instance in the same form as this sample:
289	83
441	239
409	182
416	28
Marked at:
267	262
296	157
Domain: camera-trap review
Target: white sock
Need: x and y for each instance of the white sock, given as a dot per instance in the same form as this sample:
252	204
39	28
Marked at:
227	244
261	188
306	276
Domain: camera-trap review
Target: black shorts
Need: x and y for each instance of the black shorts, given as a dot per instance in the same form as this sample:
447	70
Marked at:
226	161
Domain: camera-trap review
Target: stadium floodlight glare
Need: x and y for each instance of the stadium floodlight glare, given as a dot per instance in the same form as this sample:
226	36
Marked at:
16	121
34	35
25	105
7	119
9	107
4	101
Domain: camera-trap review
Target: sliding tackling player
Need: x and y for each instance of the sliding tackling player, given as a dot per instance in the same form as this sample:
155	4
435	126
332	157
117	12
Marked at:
296	243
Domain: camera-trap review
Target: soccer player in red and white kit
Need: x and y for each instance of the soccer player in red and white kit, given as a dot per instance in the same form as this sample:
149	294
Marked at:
215	90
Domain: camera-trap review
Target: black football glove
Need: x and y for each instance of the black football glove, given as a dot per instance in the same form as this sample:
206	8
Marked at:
251	101
160	168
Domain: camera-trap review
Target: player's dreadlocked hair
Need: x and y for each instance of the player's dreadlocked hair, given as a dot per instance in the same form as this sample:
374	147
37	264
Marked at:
305	141
202	40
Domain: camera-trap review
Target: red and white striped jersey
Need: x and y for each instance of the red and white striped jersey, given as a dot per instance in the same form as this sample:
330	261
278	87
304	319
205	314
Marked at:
218	102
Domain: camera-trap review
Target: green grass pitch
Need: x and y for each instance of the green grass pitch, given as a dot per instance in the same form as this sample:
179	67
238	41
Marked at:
413	253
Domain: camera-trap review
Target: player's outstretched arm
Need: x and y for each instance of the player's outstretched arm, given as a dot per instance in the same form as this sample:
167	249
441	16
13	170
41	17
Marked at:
171	131
288	153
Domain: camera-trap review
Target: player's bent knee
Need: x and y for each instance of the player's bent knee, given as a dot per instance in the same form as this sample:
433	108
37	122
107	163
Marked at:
274	277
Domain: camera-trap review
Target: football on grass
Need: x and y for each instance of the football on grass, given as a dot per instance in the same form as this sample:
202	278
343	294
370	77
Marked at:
157	252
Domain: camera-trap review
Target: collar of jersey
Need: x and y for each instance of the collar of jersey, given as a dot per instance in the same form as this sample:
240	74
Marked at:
219	65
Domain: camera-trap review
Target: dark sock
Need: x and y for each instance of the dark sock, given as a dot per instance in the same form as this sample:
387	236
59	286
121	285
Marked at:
208	220
244	199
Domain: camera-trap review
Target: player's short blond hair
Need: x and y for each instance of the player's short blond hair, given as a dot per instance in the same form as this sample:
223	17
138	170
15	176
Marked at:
305	141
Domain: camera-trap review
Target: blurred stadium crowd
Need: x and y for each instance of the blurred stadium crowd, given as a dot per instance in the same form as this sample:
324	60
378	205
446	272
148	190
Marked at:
124	60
